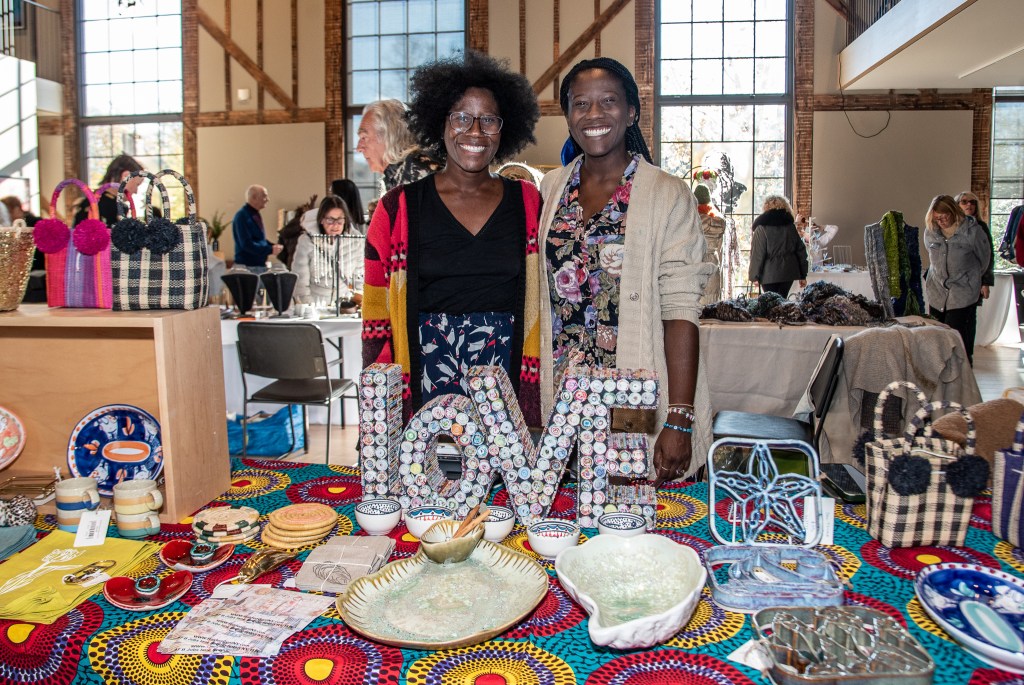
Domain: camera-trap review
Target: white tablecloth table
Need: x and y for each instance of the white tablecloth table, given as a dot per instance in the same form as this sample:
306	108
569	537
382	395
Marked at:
765	368
997	318
345	330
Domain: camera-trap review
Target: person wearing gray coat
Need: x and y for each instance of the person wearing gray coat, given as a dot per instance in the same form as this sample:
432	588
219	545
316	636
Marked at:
959	252
778	255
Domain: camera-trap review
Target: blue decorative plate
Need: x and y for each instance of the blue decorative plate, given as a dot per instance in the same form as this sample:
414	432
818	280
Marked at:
981	608
115	443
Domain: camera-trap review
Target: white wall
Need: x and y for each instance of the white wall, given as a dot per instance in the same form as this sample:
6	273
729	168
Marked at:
19	140
856	180
286	158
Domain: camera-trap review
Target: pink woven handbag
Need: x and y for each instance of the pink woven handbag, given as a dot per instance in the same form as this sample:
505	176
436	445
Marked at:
78	260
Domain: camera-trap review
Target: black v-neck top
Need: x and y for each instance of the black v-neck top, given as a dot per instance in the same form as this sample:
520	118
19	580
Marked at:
460	273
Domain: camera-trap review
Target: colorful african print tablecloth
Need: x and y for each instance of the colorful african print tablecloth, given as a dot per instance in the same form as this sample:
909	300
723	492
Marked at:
97	642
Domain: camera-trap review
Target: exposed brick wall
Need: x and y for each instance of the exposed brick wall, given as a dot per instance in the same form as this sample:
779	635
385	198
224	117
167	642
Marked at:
803	109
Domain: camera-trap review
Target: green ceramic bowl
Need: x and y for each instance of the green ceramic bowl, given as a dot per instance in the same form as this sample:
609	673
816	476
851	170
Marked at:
438	545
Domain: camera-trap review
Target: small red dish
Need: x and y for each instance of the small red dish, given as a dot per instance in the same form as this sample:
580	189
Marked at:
120	591
176	555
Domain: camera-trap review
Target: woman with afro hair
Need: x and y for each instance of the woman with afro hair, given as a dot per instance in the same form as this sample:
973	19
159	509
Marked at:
451	260
625	265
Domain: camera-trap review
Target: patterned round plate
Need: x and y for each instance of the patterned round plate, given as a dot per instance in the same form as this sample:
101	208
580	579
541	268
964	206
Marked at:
12	437
226	520
116	443
982	608
309	516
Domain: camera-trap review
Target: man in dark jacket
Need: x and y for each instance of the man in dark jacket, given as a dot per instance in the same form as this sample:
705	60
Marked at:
251	245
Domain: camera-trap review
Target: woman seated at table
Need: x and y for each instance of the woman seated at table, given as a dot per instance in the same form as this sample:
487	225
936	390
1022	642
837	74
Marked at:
625	262
451	260
317	262
778	255
959	252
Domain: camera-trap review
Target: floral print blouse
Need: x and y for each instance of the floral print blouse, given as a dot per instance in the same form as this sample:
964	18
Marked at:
584	256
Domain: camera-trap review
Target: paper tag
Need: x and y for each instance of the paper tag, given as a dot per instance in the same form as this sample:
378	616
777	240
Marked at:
92	528
752	654
828	519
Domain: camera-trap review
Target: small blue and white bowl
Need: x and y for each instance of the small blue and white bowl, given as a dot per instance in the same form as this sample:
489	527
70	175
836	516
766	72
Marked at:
378	516
417	520
621	523
499	524
548	537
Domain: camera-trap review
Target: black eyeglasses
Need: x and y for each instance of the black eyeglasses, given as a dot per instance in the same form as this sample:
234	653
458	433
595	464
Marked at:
463	121
968	202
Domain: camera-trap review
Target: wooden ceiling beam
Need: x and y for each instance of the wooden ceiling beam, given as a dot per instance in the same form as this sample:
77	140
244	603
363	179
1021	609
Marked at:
272	116
573	51
246	62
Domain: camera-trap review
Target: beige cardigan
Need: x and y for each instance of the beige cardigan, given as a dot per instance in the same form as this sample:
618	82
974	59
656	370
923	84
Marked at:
663	278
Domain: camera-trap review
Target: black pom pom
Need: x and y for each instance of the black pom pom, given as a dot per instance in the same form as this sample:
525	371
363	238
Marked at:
128	235
860	447
909	475
162	236
183	221
967	476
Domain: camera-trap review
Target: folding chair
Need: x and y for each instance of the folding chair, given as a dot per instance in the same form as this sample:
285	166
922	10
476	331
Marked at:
294	356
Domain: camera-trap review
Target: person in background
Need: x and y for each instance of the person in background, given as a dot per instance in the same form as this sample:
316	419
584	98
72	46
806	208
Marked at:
289	234
451	259
390	148
624	263
120	168
778	256
17	211
959	252
971	206
349	192
314	261
251	245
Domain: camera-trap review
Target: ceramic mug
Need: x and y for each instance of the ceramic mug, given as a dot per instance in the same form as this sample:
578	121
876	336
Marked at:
67	520
137	497
138	525
77	495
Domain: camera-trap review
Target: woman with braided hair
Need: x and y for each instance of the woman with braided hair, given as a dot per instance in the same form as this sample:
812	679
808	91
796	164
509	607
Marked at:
624	252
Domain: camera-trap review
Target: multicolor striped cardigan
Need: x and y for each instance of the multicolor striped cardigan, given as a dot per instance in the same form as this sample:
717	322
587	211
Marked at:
390	295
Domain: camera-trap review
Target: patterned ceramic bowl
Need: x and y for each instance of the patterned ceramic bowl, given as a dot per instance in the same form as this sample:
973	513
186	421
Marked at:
548	537
621	523
378	516
419	519
438	545
499	524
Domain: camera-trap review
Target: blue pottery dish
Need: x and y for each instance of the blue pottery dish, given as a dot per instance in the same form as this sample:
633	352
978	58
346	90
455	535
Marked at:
417	520
981	608
621	523
115	443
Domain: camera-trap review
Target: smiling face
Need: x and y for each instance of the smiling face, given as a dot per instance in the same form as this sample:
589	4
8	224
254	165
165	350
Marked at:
472	150
599	113
333	222
370	144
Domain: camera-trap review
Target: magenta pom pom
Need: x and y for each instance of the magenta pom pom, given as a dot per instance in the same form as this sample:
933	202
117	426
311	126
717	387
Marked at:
51	235
91	236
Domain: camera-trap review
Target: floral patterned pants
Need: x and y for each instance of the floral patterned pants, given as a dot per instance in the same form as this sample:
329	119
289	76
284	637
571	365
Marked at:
450	344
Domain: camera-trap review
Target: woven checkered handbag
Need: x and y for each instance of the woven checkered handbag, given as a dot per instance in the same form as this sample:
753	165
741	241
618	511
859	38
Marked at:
1008	490
910	502
159	264
78	268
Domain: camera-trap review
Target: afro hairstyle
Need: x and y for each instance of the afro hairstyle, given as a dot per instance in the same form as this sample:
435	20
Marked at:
437	86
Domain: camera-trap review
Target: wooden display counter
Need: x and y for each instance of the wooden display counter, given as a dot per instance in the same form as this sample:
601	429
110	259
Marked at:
57	365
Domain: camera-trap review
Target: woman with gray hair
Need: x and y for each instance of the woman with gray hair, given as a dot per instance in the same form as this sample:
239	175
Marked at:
388	146
778	255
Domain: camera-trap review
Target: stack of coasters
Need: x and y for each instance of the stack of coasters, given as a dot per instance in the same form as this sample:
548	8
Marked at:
298	525
226	525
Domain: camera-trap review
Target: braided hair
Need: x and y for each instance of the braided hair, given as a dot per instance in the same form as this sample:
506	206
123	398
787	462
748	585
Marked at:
635	142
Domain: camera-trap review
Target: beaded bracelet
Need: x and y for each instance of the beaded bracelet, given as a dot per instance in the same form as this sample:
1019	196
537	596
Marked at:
681	429
685	413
